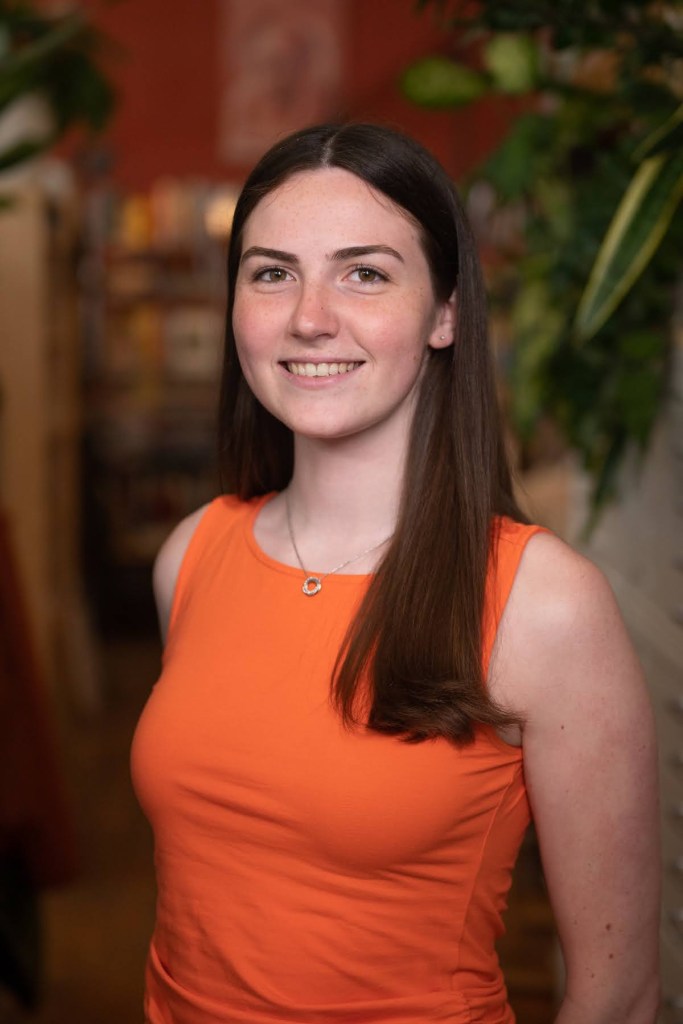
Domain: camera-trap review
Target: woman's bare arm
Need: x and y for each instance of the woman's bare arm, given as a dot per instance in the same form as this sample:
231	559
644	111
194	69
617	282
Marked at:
565	661
167	566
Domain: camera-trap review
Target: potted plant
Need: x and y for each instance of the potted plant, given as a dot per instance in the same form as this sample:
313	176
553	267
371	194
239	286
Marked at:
50	79
591	172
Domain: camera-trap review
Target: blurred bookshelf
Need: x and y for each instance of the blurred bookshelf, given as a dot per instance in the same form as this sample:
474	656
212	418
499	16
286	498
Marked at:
153	285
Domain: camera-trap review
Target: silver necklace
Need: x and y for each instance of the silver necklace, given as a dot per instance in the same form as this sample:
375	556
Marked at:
312	585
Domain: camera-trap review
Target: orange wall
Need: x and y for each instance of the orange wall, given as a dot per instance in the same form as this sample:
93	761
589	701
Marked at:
167	77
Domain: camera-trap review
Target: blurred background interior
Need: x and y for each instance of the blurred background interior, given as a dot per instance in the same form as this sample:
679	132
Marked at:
126	130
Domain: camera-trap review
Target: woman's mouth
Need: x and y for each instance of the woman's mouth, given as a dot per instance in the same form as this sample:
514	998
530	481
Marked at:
320	369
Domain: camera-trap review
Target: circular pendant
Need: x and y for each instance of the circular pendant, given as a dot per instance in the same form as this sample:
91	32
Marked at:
312	584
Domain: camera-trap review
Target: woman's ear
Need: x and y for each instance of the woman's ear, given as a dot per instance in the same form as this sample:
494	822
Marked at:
443	333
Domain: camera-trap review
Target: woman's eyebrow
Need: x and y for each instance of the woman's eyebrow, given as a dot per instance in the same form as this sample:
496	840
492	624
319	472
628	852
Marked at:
352	252
269	254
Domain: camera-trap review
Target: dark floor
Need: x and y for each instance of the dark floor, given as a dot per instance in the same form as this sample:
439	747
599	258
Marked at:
98	928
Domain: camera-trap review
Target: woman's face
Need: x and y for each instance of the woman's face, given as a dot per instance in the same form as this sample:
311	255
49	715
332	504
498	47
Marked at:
334	307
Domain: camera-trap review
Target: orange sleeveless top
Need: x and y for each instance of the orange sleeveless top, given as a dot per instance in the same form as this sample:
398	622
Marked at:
307	873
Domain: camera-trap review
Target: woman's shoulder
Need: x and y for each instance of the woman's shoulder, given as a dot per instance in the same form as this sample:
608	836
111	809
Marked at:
168	561
562	633
546	567
554	582
172	552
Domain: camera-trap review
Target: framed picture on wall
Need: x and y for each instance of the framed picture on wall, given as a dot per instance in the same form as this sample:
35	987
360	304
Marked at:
281	69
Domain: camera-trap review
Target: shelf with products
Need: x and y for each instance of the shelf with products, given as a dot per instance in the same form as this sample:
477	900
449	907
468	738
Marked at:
152	280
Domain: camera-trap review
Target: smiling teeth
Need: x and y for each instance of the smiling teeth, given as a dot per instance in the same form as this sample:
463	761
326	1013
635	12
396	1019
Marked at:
320	369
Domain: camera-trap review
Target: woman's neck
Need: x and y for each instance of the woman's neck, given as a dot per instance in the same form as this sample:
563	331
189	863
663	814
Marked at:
342	502
344	488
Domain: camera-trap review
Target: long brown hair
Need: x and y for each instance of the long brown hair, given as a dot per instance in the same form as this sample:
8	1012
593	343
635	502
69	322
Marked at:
416	639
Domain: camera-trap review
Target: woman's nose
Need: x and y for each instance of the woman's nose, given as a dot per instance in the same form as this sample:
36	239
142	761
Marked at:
314	314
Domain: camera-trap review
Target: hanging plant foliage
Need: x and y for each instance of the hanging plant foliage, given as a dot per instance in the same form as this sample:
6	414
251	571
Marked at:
57	59
593	170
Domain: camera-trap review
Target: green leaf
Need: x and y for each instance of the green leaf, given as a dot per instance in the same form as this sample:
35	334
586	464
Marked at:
666	137
14	84
5	42
642	345
510	169
637	228
57	57
22	151
25	67
79	92
554	198
537	324
442	83
65	31
638	397
512	60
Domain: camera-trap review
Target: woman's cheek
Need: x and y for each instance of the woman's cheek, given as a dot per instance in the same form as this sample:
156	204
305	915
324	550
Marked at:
256	326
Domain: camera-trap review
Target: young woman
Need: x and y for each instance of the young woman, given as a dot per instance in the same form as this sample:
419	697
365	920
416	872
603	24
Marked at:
375	671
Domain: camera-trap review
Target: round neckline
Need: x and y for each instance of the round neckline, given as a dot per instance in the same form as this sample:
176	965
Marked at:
282	567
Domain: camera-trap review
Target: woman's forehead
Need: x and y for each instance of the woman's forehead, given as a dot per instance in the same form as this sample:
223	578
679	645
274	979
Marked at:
335	197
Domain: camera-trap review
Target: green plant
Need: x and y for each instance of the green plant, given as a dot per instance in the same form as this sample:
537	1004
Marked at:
57	58
593	168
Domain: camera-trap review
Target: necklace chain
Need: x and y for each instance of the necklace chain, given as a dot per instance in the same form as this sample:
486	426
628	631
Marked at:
313	584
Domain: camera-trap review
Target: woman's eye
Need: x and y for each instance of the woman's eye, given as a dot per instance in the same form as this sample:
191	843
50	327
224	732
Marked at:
272	275
368	275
